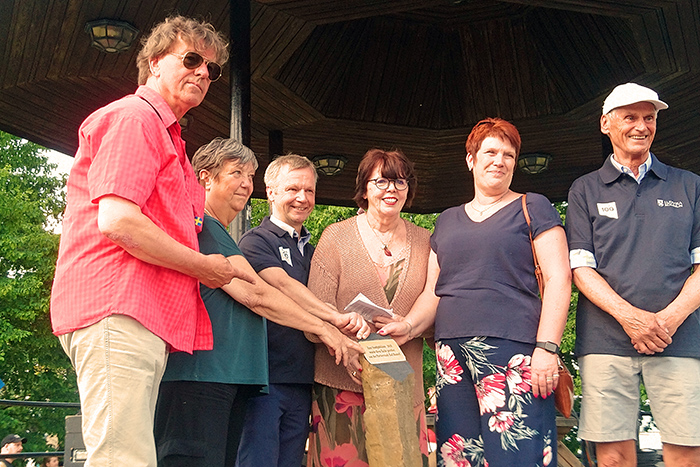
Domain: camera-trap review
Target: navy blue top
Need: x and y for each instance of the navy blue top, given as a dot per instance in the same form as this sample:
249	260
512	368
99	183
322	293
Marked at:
291	355
641	236
487	285
240	345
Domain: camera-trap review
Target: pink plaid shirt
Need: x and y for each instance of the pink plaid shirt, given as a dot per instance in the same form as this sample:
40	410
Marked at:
131	148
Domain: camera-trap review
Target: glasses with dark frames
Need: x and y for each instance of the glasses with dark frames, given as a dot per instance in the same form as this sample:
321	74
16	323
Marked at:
192	60
383	183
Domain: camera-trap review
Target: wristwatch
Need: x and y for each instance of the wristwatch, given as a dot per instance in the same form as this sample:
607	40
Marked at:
549	346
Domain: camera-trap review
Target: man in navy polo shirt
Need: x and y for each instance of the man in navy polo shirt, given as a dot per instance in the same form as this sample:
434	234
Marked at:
277	424
634	237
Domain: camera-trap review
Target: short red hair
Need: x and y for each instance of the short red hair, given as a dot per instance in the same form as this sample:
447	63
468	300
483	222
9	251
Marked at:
493	127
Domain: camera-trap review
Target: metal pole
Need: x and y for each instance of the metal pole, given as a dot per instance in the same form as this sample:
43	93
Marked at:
240	92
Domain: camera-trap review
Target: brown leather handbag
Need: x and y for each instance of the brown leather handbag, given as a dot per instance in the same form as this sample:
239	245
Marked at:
564	393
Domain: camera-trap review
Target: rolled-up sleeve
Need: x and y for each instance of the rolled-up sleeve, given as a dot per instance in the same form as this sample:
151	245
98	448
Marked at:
582	258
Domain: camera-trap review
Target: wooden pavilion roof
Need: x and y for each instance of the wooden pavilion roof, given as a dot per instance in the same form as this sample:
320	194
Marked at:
342	76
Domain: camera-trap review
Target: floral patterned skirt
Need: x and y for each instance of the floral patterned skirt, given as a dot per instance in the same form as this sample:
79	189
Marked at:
487	414
337	435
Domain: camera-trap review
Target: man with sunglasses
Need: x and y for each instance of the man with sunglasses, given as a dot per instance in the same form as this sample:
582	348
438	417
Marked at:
126	290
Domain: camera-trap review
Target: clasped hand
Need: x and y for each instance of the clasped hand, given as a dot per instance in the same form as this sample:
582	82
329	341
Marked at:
397	328
352	325
649	332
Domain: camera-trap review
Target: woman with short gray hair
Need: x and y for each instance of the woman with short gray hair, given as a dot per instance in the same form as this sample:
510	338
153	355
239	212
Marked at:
199	414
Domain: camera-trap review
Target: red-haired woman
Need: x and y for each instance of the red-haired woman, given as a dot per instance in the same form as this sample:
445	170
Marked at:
386	258
496	342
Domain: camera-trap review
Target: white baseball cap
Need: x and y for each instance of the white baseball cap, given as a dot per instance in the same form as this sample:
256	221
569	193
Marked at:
631	93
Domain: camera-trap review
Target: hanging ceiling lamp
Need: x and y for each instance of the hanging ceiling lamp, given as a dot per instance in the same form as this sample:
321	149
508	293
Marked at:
331	164
534	162
111	36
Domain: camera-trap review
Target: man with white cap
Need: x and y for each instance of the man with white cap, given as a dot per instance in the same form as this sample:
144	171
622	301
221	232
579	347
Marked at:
634	237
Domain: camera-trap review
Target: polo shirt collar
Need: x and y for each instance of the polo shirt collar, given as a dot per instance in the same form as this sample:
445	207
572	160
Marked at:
609	173
156	100
659	168
283	228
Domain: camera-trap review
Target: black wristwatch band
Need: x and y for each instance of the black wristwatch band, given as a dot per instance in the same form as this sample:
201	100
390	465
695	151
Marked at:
549	346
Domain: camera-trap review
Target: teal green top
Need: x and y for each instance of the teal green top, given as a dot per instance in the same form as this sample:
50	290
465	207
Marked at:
240	336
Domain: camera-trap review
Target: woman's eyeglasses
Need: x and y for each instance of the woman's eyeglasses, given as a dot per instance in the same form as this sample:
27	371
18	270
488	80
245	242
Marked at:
383	183
192	60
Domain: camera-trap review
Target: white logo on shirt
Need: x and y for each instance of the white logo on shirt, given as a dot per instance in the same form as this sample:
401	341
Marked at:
286	255
608	209
668	203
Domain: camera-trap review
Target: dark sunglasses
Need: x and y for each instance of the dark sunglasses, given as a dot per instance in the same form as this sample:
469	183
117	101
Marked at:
192	60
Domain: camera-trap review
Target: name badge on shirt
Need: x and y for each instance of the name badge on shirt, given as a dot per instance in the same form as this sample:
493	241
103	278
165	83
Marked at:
286	255
608	209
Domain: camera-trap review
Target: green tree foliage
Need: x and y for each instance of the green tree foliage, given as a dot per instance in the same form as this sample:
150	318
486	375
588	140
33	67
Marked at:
32	364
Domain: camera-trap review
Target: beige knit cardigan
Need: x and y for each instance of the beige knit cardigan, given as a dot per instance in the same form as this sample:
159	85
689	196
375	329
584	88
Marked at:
341	267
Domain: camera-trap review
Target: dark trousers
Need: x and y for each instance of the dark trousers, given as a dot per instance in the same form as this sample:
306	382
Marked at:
199	424
276	427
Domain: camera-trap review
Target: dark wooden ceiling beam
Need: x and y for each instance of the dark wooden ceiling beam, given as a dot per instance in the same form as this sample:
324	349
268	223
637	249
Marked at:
341	76
330	11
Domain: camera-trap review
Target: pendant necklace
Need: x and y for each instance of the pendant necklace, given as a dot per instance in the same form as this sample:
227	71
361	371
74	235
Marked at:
385	246
481	213
206	211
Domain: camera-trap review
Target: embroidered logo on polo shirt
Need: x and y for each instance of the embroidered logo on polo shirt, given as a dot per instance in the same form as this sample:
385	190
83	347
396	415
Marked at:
286	255
608	209
668	203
